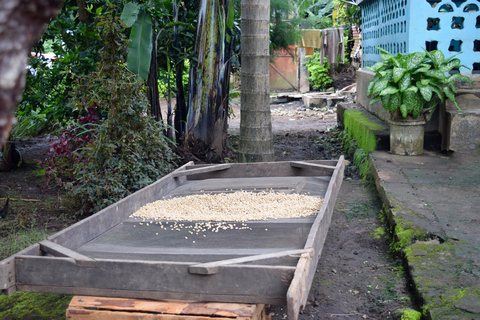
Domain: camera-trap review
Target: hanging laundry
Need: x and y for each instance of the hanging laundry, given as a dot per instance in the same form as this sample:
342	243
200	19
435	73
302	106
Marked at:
333	45
311	38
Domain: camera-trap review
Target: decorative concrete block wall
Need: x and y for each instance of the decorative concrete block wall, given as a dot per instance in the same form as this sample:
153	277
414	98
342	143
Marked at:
452	26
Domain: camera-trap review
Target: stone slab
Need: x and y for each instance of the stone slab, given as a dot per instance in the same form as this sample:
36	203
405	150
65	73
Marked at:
463	127
321	100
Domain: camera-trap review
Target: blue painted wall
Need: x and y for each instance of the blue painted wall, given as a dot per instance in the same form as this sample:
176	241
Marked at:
452	26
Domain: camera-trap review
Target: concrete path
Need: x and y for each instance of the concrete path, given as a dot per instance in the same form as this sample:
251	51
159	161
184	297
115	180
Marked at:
433	200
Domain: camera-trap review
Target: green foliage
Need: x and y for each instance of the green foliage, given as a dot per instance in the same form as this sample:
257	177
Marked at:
319	77
319	13
104	88
30	124
411	85
379	233
167	81
129	154
130	150
347	13
49	82
284	31
140	52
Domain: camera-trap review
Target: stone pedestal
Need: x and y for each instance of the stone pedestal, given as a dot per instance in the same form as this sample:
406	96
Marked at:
463	127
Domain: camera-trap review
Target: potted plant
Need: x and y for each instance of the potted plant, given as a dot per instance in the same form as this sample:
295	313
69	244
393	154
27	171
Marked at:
410	86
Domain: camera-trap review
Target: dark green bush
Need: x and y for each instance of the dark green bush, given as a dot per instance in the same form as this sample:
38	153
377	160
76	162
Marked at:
130	153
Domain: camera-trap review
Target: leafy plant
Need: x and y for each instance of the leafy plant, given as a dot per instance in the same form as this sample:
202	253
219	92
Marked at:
319	77
283	32
74	50
67	151
412	84
129	150
167	81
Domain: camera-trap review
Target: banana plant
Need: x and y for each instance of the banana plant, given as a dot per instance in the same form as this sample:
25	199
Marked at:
209	81
140	48
413	84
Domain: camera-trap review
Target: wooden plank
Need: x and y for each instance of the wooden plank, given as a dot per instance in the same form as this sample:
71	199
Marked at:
95	225
316	239
212	267
303	164
266	169
7	269
60	251
149	295
154	280
298	288
189	172
86	314
167	307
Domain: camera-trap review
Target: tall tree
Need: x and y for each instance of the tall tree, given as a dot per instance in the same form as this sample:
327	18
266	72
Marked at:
21	24
208	88
256	138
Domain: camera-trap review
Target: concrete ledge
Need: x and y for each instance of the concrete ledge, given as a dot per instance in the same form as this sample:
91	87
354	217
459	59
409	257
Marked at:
341	108
363	79
431	202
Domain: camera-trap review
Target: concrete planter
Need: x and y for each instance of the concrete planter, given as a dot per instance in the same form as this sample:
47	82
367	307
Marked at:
406	136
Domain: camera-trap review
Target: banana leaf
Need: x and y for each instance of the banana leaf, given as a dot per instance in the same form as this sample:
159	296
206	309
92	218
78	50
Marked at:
140	49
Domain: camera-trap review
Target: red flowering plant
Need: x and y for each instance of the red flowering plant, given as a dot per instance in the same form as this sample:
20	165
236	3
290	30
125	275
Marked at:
67	149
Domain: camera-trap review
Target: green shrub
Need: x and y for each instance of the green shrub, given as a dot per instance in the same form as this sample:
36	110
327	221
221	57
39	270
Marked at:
130	153
319	77
130	150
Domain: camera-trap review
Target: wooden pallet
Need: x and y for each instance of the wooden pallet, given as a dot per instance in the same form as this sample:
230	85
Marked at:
90	308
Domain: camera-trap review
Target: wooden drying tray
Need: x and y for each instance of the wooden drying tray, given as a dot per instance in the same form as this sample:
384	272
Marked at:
110	254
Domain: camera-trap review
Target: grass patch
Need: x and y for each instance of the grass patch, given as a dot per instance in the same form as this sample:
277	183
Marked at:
20	239
39	306
24	305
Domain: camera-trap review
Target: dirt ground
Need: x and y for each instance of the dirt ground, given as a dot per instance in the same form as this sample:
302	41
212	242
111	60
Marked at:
356	277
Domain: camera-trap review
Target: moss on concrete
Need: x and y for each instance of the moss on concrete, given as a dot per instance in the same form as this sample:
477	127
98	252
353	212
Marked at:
362	129
436	271
360	138
404	234
409	314
360	157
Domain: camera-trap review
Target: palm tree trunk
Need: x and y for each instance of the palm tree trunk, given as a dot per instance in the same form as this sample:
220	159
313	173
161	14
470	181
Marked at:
256	138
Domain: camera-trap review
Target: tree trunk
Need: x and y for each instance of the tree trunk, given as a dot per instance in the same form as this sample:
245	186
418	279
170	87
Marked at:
152	83
22	23
207	100
181	108
256	139
82	12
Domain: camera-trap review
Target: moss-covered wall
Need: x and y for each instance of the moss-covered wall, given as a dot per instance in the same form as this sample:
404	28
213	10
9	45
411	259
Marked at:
362	129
